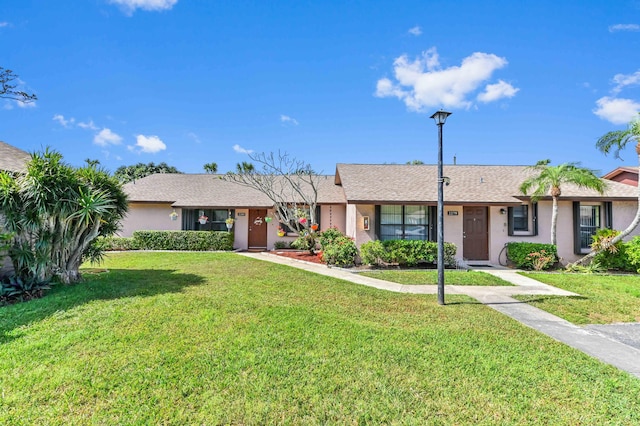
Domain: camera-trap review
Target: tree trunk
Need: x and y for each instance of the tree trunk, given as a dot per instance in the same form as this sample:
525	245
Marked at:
554	220
636	220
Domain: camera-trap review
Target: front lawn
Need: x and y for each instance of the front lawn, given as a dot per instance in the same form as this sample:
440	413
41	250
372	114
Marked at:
451	277
604	299
216	338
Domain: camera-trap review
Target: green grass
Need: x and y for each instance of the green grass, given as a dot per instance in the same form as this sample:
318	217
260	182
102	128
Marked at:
451	277
604	299
216	338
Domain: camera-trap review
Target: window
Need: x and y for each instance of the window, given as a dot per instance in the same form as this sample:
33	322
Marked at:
523	220
215	219
403	222
589	224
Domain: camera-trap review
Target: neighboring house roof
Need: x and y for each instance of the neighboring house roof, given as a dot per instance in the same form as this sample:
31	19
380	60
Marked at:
12	159
469	184
208	190
620	170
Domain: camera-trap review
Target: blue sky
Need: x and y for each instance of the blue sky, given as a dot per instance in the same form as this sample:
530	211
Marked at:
192	82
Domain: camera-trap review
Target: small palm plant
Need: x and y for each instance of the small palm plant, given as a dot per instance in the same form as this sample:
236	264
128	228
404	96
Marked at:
549	179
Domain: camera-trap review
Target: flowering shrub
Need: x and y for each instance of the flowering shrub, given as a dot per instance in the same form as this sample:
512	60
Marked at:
337	248
541	260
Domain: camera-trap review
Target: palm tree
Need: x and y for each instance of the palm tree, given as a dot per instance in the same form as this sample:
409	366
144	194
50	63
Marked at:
549	179
616	141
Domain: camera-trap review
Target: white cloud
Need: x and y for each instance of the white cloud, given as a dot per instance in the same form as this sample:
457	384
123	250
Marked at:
89	126
106	137
150	144
130	6
4	24
287	119
32	104
416	31
624	80
240	150
195	137
493	92
624	27
63	121
617	111
424	83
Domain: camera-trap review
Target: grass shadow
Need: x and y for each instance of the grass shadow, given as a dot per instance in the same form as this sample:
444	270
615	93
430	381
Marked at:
111	285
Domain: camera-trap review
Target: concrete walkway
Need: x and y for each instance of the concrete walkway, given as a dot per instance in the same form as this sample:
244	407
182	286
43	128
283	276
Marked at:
613	345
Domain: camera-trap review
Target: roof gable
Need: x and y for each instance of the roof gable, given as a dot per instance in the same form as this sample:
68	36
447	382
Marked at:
13	159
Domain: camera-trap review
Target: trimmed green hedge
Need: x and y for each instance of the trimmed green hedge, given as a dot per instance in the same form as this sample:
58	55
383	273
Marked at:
184	240
405	252
171	240
524	255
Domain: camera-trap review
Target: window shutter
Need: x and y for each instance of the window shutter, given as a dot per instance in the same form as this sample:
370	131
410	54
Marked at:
376	222
608	214
576	228
510	220
534	212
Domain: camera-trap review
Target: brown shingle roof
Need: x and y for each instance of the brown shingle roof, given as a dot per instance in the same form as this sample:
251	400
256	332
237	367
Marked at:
12	159
368	183
207	190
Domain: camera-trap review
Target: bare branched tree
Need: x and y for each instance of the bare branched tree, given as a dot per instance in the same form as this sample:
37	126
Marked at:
9	88
291	184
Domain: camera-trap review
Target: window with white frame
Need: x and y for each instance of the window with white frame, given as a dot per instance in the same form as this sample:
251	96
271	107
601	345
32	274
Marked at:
409	222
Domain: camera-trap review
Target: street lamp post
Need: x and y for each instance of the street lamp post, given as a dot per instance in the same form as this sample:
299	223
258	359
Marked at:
440	117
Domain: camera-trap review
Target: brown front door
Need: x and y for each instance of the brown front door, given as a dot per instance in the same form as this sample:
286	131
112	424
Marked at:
257	229
475	245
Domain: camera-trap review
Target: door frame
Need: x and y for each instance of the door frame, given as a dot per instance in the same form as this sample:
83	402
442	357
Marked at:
257	237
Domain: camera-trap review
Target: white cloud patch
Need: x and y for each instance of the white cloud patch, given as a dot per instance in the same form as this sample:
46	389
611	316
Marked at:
4	24
106	137
88	125
416	31
423	83
195	137
624	27
493	92
624	80
63	121
240	150
130	6
150	144
288	120
617	110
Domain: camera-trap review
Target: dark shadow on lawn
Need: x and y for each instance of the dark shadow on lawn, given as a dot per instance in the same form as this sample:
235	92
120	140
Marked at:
111	285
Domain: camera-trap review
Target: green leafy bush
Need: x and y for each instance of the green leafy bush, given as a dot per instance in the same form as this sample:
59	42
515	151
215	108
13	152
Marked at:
338	249
280	245
405	252
16	289
632	251
117	243
306	241
614	257
532	255
183	240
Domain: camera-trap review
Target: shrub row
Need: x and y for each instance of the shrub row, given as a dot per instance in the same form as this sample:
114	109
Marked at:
171	240
536	256
623	256
405	253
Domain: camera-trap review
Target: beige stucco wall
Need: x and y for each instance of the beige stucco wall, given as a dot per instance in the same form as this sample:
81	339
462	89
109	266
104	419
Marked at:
150	217
333	215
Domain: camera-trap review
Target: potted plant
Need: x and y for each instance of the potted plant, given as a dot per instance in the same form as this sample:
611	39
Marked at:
314	227
203	219
173	215
281	232
229	222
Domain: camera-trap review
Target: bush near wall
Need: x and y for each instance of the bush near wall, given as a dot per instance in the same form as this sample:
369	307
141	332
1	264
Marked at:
405	253
184	240
532	255
170	240
337	248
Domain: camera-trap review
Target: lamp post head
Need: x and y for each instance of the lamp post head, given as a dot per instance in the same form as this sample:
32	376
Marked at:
440	117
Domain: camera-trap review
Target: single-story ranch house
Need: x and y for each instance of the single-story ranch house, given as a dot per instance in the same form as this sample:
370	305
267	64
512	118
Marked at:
483	208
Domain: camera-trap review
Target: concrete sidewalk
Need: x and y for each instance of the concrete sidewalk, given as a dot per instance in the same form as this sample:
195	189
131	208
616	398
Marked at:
620	348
